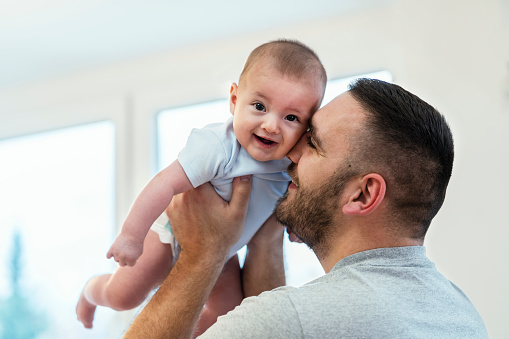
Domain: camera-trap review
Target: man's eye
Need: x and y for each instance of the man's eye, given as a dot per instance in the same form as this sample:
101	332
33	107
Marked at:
291	117
310	143
259	107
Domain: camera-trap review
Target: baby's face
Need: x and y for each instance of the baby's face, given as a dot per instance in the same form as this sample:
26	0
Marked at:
271	112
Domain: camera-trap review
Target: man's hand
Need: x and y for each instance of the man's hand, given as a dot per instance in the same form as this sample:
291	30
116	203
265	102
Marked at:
206	225
293	237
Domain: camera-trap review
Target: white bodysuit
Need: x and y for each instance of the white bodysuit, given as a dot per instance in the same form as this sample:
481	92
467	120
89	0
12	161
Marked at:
213	154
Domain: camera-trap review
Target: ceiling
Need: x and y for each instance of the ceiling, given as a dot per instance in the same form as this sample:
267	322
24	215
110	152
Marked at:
40	39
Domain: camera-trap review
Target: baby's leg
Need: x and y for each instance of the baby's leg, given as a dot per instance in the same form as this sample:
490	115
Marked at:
225	296
128	286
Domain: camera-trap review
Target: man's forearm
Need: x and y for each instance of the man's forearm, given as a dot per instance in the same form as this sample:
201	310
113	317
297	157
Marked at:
175	308
264	265
206	227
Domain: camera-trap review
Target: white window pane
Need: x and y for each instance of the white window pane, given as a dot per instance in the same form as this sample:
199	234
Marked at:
57	191
338	86
175	125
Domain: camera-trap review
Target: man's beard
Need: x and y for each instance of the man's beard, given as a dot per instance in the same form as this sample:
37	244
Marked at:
310	215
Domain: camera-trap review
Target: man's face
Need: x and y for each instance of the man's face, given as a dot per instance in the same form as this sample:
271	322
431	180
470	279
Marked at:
312	206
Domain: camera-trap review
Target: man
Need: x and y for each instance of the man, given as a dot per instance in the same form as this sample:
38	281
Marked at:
368	179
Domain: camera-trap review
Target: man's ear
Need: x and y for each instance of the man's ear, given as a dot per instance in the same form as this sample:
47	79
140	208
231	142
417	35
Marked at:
366	196
233	97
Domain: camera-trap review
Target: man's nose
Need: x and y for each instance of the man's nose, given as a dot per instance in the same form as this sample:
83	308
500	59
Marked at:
296	152
270	124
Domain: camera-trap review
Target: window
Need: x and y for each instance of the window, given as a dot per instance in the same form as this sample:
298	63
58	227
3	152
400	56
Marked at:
56	224
174	125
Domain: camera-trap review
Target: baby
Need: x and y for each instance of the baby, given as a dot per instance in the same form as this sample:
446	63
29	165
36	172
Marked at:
281	86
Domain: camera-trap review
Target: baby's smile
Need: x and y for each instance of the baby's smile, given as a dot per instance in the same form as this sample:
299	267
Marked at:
265	141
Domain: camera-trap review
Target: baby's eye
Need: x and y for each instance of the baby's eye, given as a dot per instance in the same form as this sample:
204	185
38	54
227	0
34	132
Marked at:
310	142
292	117
259	107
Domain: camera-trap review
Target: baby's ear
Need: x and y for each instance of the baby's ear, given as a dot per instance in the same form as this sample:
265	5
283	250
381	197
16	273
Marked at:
233	97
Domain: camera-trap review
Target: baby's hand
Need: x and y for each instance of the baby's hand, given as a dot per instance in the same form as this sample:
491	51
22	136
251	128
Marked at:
125	250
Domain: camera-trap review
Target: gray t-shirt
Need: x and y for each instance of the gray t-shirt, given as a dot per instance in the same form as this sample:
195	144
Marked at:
381	293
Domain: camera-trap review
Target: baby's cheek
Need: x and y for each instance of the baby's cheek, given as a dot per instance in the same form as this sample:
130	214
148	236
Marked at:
295	137
288	146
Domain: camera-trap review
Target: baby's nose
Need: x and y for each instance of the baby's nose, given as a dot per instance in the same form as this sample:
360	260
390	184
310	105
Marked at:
270	124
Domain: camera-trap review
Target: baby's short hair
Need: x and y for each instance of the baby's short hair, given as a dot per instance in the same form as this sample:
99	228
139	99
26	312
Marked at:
290	57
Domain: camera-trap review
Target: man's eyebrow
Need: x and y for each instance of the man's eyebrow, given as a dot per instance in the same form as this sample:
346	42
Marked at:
312	131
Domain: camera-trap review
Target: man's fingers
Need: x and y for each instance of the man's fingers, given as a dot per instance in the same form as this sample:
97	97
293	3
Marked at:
293	237
241	193
200	195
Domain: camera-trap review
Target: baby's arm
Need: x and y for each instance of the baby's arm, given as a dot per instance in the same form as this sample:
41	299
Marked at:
147	207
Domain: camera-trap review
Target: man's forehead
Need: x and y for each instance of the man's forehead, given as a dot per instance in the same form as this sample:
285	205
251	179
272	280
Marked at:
322	118
339	116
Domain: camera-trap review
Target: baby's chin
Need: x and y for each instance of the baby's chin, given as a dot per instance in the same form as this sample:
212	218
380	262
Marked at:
265	151
262	157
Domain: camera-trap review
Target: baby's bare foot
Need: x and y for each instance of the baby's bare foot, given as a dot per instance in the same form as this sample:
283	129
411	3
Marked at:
85	311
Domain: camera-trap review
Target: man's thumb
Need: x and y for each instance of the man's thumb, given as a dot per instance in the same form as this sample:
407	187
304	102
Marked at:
241	192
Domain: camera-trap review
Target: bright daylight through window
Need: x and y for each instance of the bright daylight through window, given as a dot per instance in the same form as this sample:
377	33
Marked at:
56	222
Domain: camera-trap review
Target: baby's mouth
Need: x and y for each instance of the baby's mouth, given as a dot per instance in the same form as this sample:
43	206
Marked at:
265	141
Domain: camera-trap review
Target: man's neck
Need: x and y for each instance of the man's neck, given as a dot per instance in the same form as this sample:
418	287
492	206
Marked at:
355	242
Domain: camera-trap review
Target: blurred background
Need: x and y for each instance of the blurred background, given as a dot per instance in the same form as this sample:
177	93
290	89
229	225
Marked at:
97	96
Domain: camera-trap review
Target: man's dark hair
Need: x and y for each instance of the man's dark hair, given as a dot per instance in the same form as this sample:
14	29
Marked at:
410	144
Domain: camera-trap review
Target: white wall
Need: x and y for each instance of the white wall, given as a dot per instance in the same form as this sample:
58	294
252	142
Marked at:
453	54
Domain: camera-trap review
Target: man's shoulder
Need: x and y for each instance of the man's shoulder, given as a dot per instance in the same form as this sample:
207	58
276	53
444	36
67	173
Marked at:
269	315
